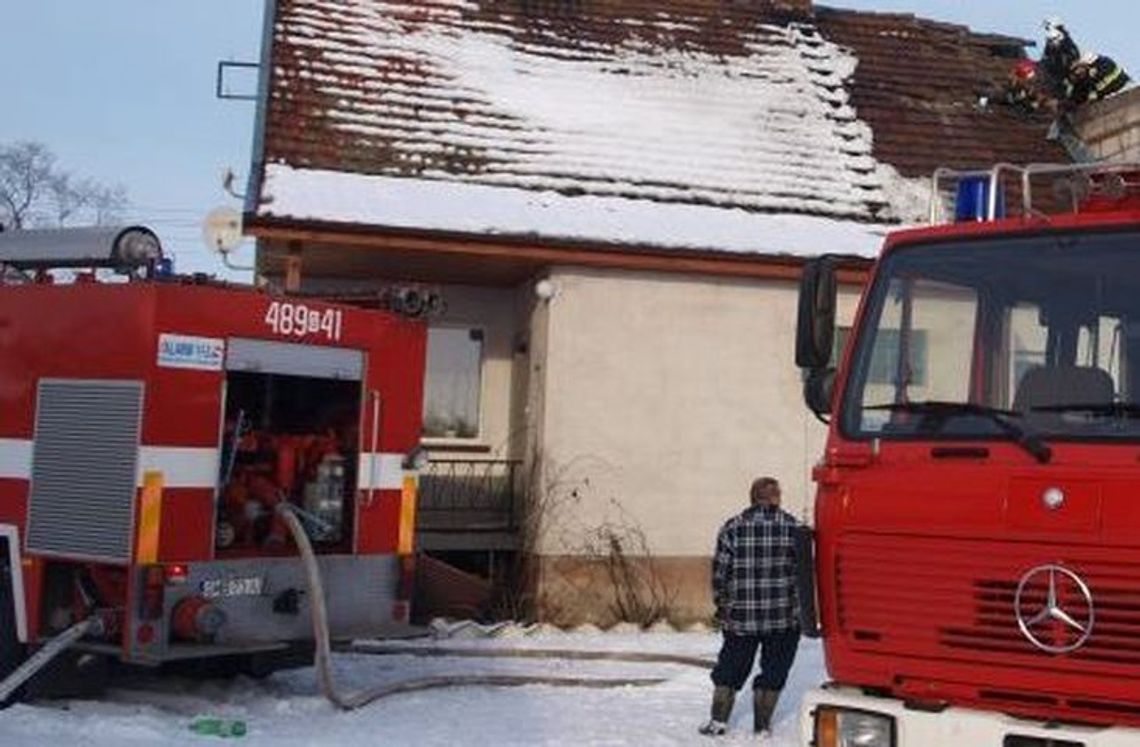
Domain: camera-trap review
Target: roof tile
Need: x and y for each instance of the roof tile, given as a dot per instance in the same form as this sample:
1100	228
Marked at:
760	106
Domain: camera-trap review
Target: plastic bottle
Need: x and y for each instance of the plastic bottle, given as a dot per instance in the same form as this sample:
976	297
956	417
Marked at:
218	727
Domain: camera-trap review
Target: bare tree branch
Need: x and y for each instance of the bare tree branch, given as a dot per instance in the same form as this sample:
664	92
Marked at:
25	169
108	203
69	196
34	192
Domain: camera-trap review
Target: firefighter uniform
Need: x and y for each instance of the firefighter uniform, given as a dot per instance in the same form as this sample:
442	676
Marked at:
1061	53
1095	77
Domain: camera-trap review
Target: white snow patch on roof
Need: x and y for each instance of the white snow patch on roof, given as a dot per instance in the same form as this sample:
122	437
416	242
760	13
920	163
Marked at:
394	202
768	128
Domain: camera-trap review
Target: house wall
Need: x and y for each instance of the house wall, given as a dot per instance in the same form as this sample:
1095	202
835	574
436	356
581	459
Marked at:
1111	128
664	396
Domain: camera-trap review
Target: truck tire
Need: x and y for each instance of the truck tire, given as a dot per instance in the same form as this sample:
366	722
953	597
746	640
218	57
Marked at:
12	652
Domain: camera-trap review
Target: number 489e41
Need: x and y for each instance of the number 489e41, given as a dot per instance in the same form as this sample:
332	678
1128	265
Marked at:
298	320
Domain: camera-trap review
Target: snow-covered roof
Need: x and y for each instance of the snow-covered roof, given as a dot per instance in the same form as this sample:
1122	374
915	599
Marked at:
464	208
669	124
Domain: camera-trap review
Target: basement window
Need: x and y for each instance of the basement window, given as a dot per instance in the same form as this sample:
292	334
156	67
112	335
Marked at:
453	383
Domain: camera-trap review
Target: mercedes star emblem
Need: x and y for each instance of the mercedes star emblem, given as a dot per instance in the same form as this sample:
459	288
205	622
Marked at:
1063	621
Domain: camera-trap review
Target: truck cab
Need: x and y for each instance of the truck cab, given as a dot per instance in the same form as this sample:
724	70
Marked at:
976	516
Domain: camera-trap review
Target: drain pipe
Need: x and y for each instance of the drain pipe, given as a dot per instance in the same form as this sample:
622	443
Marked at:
352	701
53	648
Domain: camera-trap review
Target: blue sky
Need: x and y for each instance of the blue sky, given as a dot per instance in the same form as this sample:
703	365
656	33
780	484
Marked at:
123	91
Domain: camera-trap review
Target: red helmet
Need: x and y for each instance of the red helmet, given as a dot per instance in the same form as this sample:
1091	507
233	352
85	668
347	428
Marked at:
1024	70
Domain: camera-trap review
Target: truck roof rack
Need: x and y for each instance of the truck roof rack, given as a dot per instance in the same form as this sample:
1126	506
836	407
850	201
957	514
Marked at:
122	248
986	189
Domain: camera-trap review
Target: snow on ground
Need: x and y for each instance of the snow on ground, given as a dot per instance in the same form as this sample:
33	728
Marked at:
286	709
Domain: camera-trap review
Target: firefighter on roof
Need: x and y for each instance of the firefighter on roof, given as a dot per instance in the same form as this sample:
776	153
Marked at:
1023	88
1094	77
1061	53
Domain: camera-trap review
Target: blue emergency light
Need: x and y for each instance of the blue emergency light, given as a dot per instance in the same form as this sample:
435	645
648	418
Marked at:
972	201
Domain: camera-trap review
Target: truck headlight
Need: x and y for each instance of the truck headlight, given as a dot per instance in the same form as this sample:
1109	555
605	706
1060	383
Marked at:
844	727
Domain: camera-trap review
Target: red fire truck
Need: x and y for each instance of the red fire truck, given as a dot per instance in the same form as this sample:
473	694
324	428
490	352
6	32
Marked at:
150	427
977	511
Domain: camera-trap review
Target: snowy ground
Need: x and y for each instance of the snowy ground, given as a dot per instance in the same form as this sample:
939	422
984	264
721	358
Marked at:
286	709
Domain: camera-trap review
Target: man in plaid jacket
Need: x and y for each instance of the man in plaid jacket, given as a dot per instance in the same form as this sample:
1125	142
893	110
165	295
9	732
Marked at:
754	588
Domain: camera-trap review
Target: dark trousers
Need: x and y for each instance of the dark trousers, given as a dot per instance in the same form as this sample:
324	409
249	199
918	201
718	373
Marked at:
737	653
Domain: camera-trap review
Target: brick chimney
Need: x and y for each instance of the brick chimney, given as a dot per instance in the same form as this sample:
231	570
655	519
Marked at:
1111	128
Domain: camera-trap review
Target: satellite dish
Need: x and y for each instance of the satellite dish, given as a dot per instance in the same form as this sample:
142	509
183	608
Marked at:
221	230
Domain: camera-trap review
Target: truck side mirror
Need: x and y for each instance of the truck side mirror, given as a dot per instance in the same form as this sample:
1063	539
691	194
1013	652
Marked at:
815	332
819	385
815	326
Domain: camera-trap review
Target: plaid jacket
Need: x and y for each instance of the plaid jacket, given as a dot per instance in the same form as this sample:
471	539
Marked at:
754	572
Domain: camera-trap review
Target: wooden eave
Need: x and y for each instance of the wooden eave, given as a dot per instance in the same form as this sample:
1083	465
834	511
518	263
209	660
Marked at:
335	250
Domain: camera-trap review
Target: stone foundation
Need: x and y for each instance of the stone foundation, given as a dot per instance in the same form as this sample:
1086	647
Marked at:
573	590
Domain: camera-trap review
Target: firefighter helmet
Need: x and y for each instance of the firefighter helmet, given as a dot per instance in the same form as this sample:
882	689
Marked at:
1054	29
1024	70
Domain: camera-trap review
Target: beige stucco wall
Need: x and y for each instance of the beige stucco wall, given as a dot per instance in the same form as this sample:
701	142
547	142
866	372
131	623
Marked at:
946	316
664	396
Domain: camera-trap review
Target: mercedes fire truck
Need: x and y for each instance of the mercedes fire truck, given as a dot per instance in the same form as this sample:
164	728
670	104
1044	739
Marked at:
977	513
150	428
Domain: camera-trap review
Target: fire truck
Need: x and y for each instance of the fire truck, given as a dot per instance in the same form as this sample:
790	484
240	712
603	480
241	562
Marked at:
977	510
151	428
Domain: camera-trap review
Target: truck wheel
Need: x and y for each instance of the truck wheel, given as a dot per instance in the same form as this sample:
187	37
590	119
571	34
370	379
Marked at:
12	652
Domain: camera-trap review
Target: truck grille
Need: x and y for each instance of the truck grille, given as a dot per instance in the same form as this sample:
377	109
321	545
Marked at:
929	596
83	468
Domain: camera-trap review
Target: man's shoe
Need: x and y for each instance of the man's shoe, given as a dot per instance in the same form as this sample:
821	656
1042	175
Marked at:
722	700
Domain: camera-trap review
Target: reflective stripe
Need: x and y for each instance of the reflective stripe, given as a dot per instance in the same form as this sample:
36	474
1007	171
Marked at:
181	466
1108	81
380	471
15	458
405	542
13	535
150	518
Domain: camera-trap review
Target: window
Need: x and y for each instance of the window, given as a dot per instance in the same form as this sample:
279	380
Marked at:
453	383
885	356
1045	326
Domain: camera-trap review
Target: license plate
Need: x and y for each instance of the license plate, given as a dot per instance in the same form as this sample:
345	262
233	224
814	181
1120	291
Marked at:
248	586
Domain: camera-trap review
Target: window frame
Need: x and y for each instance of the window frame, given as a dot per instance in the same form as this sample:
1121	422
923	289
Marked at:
459	440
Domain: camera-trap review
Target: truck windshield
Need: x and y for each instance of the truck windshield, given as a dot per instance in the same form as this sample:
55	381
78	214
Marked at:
1011	338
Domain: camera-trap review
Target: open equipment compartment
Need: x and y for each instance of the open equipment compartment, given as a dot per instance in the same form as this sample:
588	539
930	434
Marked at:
291	433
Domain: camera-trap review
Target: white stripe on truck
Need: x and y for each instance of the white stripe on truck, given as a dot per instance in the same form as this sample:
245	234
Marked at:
198	467
15	458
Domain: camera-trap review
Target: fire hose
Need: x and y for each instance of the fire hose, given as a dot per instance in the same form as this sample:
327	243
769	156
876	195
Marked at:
352	701
47	653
